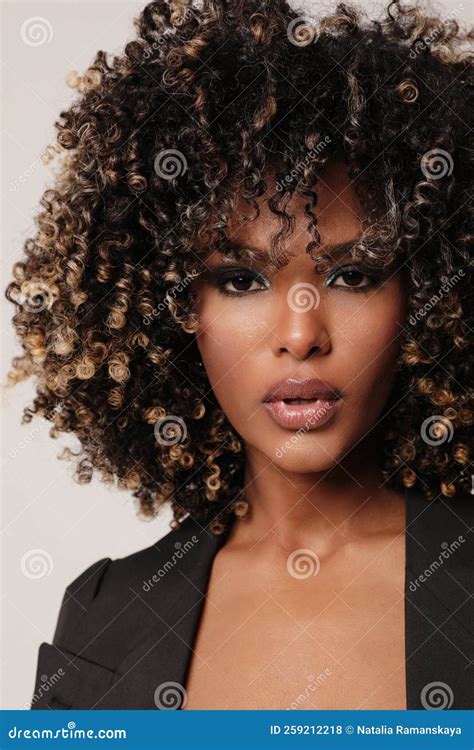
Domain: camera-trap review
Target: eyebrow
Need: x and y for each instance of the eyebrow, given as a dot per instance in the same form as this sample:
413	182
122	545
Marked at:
246	251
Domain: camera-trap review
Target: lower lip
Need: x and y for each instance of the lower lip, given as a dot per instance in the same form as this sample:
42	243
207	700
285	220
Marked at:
310	415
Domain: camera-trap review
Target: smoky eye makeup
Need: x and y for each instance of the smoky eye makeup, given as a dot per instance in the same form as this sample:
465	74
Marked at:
239	276
352	274
350	277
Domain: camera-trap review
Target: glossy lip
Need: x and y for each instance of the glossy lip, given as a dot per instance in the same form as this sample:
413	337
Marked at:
309	416
324	401
310	388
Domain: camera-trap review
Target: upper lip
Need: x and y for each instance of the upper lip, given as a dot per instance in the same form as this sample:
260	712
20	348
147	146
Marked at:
310	388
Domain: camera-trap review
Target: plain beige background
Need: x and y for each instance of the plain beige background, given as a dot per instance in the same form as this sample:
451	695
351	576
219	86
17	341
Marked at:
53	528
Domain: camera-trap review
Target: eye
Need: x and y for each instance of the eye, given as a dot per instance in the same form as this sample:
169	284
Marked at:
235	282
353	278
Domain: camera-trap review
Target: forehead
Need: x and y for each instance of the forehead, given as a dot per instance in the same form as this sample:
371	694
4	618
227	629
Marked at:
338	211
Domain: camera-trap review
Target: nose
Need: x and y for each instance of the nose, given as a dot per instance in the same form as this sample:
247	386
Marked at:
300	328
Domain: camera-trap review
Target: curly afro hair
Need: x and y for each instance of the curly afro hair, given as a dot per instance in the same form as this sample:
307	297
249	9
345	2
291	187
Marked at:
154	151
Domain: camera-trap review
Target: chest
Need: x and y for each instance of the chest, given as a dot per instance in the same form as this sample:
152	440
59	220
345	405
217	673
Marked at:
316	643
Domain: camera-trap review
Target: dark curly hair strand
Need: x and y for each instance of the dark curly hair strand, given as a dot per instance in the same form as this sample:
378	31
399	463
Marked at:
156	148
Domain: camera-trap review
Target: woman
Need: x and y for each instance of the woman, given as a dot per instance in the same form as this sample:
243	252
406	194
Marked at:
248	298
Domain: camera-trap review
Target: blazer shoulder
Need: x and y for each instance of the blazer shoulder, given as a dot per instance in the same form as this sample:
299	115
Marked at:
79	595
109	584
131	573
442	519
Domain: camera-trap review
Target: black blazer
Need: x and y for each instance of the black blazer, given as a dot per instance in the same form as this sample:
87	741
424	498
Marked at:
127	626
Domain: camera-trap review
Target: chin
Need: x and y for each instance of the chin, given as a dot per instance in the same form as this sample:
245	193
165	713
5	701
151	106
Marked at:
305	455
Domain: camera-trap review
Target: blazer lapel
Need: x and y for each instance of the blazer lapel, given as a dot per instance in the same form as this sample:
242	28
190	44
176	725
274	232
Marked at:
438	615
161	625
153	673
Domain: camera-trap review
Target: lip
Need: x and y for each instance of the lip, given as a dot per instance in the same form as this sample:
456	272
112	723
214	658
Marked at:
311	388
310	416
324	400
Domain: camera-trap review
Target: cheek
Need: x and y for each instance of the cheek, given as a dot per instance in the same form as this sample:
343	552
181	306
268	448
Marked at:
230	340
369	342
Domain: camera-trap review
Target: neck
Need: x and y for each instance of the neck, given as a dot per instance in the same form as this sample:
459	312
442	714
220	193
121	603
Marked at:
329	508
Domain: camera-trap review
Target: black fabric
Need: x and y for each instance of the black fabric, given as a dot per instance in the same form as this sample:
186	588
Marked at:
120	635
439	613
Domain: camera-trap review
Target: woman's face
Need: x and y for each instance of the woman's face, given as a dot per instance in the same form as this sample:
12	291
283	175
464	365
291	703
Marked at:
342	327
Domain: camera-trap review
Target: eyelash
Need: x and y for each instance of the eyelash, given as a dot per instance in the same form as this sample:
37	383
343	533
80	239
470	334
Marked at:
223	277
